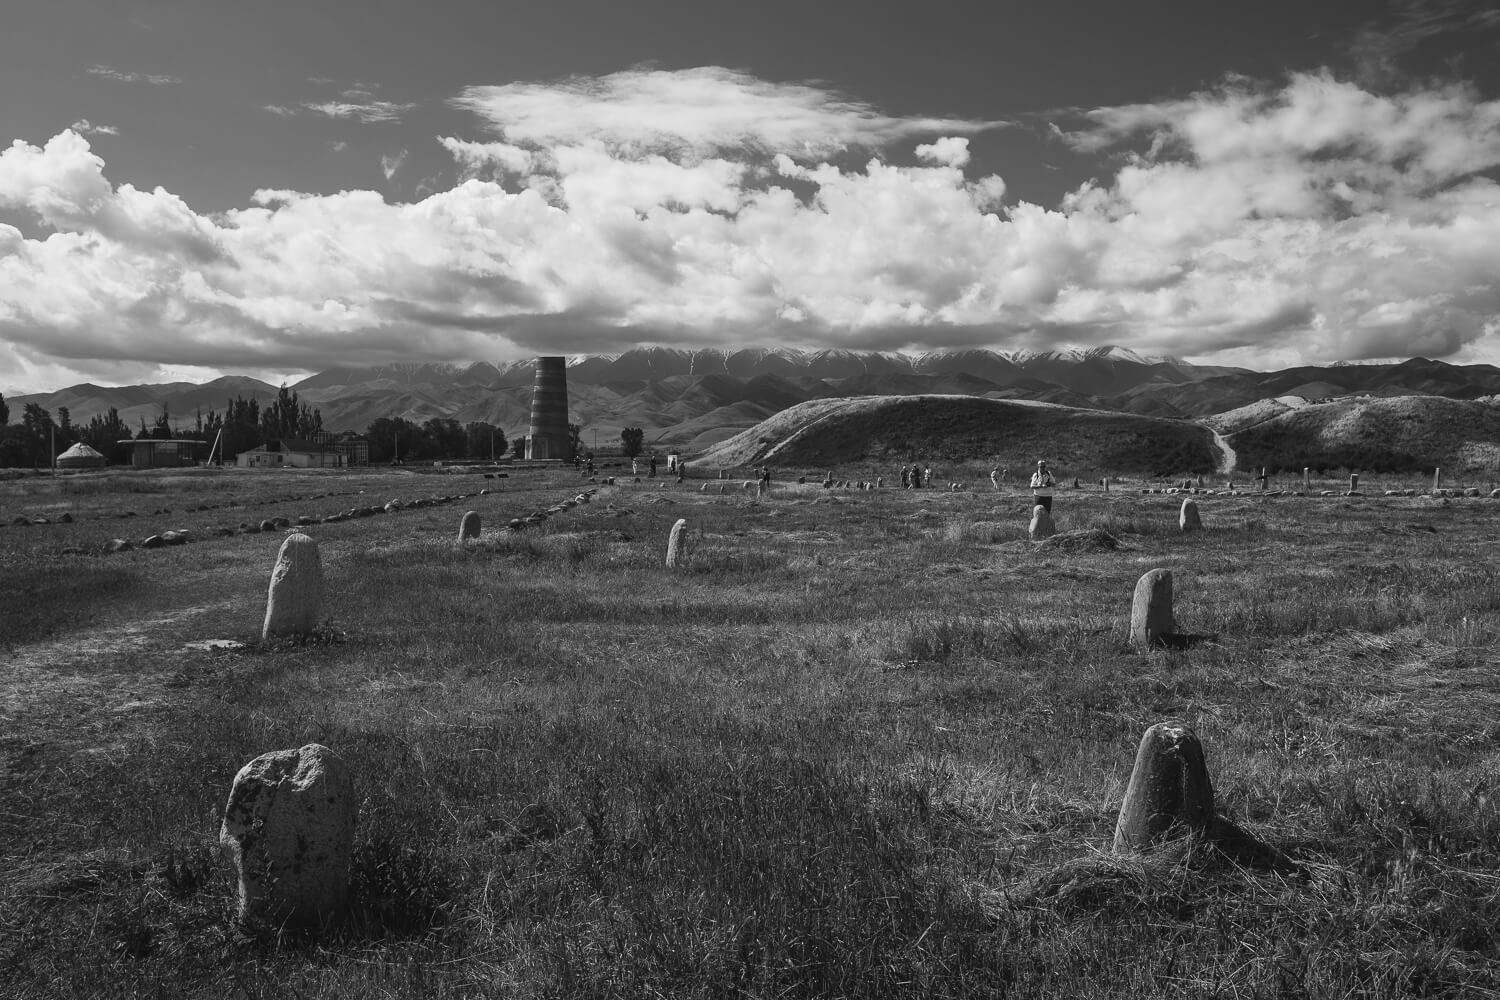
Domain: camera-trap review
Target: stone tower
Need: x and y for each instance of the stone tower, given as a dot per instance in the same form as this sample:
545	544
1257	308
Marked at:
549	436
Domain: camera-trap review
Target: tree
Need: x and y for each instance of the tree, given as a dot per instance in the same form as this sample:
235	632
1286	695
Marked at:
447	437
289	417
104	434
632	441
4	411
393	438
241	426
162	430
575	440
484	439
67	434
518	447
37	428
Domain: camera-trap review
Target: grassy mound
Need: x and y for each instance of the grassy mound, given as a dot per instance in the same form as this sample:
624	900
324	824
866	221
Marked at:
1395	434
964	428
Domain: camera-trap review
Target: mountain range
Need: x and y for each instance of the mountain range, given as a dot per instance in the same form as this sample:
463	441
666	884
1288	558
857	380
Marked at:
693	399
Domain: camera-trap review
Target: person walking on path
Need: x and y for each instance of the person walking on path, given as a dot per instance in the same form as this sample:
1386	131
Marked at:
1042	484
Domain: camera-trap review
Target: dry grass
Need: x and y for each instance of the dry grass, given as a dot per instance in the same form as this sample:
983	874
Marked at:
861	744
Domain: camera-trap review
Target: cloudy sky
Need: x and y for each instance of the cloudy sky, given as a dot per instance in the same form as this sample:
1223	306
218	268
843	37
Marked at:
195	187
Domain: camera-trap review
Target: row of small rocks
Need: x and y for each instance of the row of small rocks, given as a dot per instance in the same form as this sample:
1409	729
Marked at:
270	524
23	520
1472	491
536	518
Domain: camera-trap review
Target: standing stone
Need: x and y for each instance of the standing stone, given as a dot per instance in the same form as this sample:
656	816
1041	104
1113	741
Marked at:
1169	794
1151	610
1353	483
1041	524
1437	479
1105	482
468	527
760	488
1306	480
1187	518
677	544
296	593
289	831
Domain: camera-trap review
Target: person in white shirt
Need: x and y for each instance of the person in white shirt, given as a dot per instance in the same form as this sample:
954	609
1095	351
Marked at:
1042	484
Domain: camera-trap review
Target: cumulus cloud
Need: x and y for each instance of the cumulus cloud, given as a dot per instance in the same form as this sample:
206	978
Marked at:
121	76
950	150
695	111
1309	221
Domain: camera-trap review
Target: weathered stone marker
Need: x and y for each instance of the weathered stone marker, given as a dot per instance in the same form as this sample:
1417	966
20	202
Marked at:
1437	479
1187	518
1353	483
1306	480
296	592
1170	794
677	544
1151	610
289	831
1041	524
468	527
760	488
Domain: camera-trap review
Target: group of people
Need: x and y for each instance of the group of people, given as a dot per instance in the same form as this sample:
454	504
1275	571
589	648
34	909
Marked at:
914	477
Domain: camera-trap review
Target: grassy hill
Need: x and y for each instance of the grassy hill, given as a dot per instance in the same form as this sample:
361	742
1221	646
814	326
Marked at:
963	428
1394	434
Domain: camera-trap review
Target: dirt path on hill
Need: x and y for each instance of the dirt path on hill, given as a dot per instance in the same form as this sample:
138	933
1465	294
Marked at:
1227	457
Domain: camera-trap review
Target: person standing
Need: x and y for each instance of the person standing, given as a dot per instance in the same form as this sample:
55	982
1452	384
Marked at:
1042	484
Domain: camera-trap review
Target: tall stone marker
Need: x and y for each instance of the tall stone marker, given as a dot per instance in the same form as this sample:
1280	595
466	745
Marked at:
1151	610
1041	524
468	527
549	437
289	831
296	593
1170	794
677	544
1187	518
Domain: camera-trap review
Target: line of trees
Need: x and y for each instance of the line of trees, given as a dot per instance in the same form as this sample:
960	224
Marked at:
436	439
245	424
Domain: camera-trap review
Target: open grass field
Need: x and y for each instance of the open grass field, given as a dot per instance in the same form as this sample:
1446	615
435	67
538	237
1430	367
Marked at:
862	744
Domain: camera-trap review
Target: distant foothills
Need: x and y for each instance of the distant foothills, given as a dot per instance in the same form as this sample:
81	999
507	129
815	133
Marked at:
692	400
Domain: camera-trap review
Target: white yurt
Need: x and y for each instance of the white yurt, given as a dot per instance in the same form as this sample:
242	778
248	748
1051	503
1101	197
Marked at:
80	456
